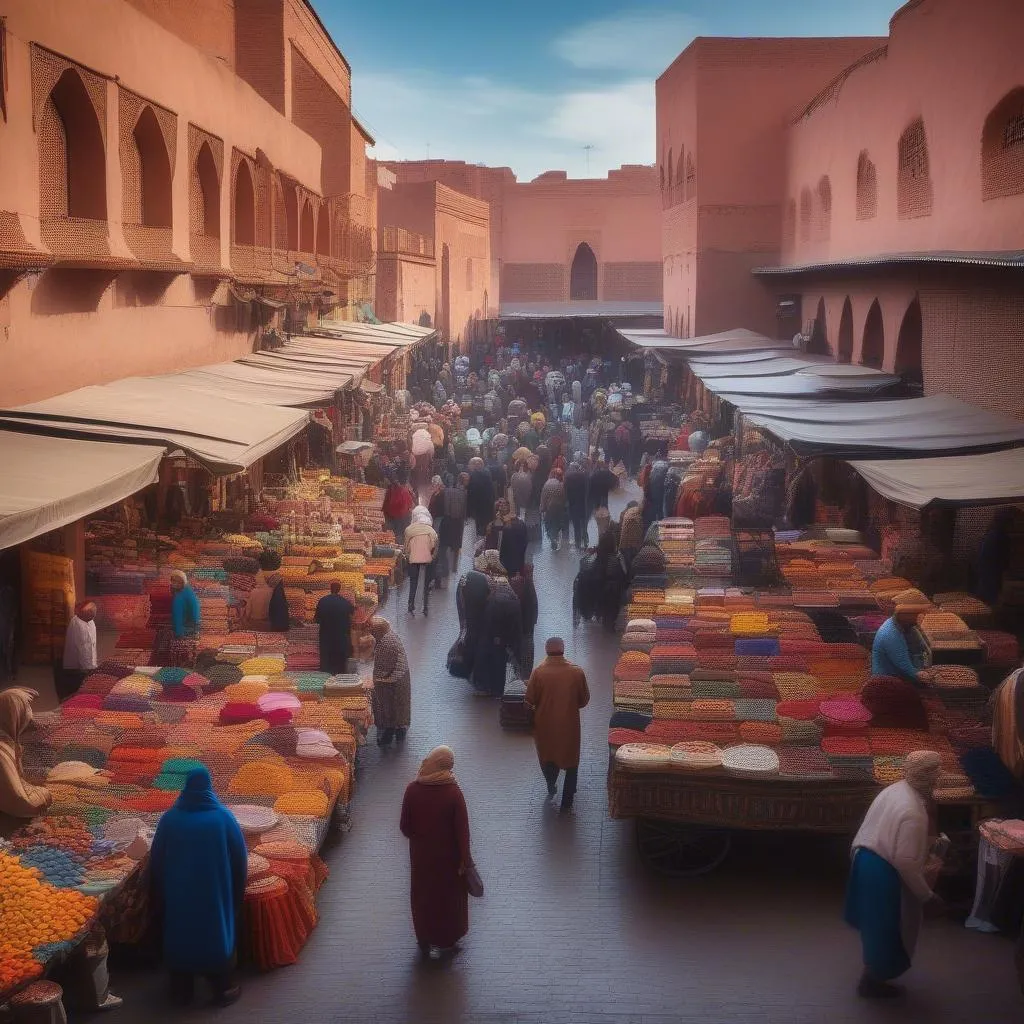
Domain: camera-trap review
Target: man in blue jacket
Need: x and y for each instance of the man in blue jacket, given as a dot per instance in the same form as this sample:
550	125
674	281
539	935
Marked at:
890	652
184	606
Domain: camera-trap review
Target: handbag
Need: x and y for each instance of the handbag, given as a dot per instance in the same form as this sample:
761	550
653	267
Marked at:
474	883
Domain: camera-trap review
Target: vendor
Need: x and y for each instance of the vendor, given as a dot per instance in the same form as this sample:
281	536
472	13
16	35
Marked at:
184	606
1007	722
890	652
19	799
79	650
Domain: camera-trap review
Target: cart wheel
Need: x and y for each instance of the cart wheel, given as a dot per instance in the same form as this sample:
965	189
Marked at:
682	851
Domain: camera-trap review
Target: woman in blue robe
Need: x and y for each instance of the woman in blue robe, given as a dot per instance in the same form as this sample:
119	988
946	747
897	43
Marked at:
199	863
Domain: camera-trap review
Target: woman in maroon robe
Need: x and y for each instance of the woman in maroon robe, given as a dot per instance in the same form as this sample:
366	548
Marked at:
435	821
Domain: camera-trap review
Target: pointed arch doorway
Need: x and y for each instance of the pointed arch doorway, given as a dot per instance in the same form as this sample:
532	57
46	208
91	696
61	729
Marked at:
583	274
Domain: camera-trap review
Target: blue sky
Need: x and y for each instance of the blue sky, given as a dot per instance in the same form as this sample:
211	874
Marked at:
530	83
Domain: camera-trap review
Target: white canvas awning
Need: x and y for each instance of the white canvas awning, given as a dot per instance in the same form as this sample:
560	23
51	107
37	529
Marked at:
986	479
49	482
738	340
264	385
226	436
395	335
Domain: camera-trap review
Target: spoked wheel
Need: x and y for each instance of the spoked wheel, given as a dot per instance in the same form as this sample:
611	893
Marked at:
682	851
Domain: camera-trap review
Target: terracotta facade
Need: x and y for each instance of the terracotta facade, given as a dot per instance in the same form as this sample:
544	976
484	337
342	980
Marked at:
914	152
146	168
434	257
607	227
722	109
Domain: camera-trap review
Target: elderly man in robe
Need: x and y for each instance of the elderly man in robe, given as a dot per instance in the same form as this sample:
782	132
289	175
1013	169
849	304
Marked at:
892	875
557	692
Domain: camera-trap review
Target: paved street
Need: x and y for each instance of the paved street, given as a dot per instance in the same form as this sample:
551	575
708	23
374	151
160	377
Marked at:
573	926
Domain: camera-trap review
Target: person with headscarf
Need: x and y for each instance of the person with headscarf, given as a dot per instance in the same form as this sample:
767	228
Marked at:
420	551
198	863
515	541
501	634
184	606
277	610
522	487
552	508
398	505
391	696
525	590
631	532
435	506
557	692
79	650
1008	722
19	799
890	651
334	617
471	595
436	823
892	875
480	495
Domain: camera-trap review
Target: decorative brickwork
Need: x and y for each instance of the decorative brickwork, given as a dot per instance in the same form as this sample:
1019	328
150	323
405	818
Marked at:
1002	148
533	282
867	188
206	168
806	214
631	282
822	209
913	182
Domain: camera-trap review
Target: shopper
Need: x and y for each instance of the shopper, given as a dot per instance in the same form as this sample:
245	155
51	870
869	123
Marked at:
892	875
391	697
502	633
277	610
398	506
602	482
480	495
552	508
576	503
19	799
436	823
890	651
631	532
334	616
79	650
557	692
524	588
420	550
198	862
453	527
185	613
522	488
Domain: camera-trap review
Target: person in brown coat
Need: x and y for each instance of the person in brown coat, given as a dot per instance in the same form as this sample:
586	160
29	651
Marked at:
557	691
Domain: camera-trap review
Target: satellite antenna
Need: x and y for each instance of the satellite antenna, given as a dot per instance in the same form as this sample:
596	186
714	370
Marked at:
587	149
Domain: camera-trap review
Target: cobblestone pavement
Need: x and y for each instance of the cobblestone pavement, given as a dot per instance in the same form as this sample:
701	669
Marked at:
573	927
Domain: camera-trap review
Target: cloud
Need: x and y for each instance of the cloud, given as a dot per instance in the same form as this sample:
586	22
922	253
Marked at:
480	120
634	42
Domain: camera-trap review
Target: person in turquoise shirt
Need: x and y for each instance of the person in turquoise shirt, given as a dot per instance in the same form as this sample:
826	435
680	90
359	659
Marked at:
184	606
890	652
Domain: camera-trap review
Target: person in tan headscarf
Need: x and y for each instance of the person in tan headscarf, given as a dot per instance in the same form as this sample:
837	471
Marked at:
18	797
557	691
436	823
1008	722
391	697
890	651
892	874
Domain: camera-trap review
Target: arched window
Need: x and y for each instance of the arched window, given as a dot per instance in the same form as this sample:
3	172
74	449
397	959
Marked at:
806	214
323	232
867	187
204	195
72	164
306	228
823	209
908	345
691	177
845	353
670	177
789	225
872	350
583	274
155	210
819	333
245	206
913	178
1002	148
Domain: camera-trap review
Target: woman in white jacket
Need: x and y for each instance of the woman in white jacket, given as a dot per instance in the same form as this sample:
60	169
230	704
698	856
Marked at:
420	549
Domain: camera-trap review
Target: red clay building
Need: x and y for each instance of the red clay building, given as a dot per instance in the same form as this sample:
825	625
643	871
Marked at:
903	228
154	152
558	239
722	111
434	258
